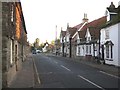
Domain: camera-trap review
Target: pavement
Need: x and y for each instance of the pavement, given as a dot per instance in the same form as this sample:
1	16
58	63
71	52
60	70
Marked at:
26	78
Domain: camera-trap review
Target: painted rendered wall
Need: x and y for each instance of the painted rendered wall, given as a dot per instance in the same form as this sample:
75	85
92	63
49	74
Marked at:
119	42
113	36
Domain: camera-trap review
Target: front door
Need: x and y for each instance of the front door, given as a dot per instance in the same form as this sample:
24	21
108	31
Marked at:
102	52
16	57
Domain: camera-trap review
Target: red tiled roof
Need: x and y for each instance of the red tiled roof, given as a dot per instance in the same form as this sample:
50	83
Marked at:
82	33
96	23
78	26
72	30
94	27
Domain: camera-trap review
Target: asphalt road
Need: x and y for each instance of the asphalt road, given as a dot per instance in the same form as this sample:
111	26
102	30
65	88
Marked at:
56	72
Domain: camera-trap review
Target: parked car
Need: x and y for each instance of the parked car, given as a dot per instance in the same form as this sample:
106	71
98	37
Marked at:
38	51
34	52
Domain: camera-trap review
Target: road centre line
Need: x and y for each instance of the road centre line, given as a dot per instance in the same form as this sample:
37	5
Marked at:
65	67
91	82
109	74
36	71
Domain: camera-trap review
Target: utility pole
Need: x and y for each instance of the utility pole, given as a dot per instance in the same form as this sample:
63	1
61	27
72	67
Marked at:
56	39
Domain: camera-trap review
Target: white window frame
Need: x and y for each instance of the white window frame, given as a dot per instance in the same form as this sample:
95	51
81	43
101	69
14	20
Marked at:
109	53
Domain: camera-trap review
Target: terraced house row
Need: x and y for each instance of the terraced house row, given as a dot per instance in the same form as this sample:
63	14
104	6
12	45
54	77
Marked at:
14	40
96	39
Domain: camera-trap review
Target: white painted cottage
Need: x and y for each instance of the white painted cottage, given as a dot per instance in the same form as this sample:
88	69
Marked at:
110	37
88	38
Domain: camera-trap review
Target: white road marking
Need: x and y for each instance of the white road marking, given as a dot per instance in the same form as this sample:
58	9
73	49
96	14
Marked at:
91	82
55	62
65	67
36	72
109	74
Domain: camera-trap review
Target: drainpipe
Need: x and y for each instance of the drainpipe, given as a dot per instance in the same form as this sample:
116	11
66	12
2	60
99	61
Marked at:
70	48
99	48
63	47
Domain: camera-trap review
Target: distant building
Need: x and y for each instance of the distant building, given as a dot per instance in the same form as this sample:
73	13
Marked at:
62	42
44	49
37	43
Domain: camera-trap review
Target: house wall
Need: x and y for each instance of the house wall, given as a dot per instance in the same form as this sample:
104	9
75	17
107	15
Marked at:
8	52
119	42
113	36
0	45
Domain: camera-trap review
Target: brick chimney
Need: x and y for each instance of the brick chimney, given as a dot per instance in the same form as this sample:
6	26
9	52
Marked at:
85	19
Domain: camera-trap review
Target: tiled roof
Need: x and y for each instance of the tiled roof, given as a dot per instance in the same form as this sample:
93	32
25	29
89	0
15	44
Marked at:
78	26
98	23
63	33
94	27
94	33
72	30
82	33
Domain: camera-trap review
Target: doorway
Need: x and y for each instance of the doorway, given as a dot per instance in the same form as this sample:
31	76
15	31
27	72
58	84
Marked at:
16	57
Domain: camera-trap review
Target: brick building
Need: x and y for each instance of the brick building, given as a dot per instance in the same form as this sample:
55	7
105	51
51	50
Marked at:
14	40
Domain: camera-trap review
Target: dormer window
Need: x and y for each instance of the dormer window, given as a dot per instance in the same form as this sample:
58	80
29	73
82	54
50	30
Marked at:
111	12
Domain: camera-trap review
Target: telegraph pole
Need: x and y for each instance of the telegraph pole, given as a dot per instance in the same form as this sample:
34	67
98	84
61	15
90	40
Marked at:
56	39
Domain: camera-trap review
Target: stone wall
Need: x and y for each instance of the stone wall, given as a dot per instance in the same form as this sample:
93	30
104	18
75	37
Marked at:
12	58
0	45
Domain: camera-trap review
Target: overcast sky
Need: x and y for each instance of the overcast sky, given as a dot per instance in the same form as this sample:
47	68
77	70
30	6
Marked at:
42	16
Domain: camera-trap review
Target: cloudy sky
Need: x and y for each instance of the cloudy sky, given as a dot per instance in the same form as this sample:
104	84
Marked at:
42	16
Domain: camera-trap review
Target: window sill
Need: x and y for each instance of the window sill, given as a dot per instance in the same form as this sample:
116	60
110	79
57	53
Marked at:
109	59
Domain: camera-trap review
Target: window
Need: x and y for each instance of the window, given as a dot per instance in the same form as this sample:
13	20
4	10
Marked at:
90	49
107	51
111	51
106	34
78	50
87	49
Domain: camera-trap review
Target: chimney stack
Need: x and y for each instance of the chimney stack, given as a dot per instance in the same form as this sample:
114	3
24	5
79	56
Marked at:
118	3
67	25
85	19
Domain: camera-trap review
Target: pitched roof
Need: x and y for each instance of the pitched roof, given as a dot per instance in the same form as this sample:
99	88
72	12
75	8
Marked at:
63	33
71	30
78	26
81	33
98	23
94	27
94	33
